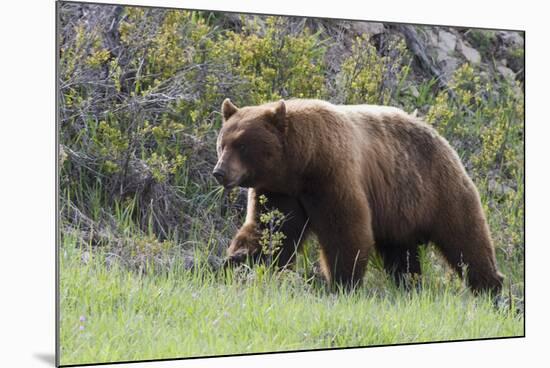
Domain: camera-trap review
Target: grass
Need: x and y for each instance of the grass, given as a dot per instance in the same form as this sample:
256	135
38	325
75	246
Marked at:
110	313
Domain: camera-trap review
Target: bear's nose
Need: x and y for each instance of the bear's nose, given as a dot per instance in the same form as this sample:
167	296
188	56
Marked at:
219	174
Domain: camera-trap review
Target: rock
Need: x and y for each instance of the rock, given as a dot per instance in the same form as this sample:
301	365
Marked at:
506	72
237	22
518	91
111	260
447	41
444	53
510	38
370	28
441	55
188	262
499	188
414	91
448	66
86	257
215	262
471	54
431	37
62	155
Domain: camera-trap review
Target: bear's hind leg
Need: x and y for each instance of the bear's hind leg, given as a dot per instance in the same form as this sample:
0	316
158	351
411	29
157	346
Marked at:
466	244
400	262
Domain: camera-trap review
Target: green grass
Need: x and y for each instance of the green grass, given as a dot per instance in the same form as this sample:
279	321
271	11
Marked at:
181	313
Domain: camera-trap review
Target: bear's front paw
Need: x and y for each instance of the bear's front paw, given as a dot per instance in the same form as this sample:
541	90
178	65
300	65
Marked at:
236	258
246	238
244	244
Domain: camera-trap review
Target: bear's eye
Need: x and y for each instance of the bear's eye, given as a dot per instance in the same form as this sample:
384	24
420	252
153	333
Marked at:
242	148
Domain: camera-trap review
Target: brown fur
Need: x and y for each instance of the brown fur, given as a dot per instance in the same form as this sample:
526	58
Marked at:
361	178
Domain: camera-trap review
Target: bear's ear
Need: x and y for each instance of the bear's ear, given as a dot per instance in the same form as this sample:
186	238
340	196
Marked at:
228	109
279	116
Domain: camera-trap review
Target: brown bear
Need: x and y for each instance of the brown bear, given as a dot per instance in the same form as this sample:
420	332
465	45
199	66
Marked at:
361	178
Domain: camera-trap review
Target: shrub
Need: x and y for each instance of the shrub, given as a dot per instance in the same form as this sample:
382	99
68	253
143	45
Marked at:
486	114
369	77
271	62
271	238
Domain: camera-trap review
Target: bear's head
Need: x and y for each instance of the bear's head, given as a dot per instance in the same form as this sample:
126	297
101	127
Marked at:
250	145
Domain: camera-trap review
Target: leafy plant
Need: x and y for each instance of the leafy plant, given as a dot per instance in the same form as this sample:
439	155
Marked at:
368	77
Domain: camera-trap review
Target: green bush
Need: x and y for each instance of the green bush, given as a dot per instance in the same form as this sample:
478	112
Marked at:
271	62
369	77
488	115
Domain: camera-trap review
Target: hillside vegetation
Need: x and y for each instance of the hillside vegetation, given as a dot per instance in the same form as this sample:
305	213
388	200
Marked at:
144	226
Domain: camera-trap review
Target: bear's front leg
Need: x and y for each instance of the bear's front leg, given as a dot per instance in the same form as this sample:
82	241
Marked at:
294	227
246	242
